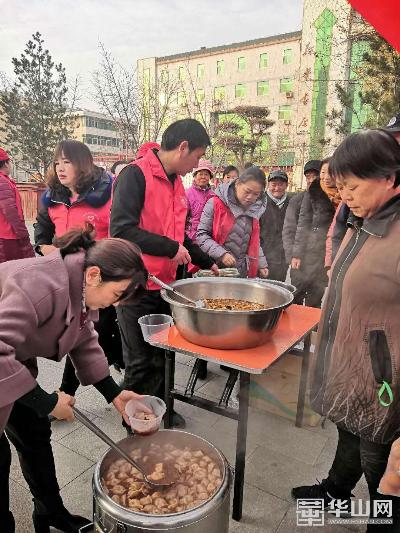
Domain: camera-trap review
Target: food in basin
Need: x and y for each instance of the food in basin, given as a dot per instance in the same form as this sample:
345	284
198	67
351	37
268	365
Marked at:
197	478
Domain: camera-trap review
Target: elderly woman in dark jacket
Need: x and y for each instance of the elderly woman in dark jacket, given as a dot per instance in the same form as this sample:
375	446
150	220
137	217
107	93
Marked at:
47	306
355	380
317	211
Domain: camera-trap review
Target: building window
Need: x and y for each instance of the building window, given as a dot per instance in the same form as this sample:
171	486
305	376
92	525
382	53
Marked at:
200	71
262	88
181	98
182	73
263	60
286	85
287	56
219	93
285	112
200	95
146	75
164	76
220	67
241	64
240	90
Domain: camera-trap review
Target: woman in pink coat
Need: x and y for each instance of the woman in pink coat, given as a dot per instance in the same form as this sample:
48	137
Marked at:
47	308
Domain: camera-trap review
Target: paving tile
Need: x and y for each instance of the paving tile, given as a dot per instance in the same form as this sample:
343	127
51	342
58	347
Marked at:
289	525
77	495
214	387
69	465
277	433
262	512
61	428
204	417
21	506
225	443
50	374
91	401
276	473
88	445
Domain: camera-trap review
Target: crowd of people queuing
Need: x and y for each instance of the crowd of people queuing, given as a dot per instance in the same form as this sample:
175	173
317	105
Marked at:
99	234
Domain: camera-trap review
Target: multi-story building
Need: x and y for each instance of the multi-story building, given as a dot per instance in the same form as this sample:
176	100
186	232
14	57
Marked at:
294	75
100	133
210	82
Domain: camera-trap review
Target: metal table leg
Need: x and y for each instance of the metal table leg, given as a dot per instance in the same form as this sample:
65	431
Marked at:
241	441
169	387
303	381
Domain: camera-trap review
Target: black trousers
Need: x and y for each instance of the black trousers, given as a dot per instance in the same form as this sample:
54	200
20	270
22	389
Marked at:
310	287
277	271
355	457
144	364
30	434
109	340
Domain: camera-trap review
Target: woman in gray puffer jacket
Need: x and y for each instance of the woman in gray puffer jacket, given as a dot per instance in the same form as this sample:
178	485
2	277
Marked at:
229	229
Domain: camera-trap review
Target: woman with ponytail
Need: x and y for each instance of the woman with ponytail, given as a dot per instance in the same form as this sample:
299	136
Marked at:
47	308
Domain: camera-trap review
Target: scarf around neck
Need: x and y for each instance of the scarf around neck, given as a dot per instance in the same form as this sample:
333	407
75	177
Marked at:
278	201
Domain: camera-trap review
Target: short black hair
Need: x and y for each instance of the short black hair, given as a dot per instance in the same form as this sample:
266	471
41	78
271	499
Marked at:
367	154
253	174
228	169
248	165
187	129
325	161
3	163
114	167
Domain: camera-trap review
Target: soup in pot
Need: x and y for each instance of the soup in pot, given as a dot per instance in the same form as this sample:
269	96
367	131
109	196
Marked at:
197	478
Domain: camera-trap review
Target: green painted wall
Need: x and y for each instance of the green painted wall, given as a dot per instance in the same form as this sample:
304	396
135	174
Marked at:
323	46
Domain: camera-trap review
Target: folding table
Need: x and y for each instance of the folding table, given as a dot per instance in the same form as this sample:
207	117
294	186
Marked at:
296	324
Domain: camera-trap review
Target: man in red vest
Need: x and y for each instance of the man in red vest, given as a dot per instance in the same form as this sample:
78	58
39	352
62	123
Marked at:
149	208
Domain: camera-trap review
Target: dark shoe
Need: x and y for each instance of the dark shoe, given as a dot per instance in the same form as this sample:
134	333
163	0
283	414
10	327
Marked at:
332	501
64	521
202	370
225	368
178	421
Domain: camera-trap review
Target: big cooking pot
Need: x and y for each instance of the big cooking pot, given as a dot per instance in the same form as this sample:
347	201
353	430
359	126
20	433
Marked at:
210	517
227	329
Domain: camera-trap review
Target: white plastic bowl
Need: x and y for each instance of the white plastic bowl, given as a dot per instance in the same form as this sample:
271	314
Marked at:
154	405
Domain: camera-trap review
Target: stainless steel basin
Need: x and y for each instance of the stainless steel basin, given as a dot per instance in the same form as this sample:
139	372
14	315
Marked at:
227	329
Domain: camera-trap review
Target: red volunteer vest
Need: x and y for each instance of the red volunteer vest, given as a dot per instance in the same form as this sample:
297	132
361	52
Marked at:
164	213
6	229
65	218
223	223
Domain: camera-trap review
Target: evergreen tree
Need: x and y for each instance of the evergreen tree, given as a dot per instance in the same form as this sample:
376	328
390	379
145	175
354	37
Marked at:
35	109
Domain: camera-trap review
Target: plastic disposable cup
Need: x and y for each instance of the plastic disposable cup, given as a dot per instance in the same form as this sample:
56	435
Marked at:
154	405
155	326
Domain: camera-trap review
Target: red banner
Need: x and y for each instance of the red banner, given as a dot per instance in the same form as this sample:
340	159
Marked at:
383	15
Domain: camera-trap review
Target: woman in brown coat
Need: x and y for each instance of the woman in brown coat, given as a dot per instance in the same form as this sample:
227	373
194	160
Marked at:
356	381
47	308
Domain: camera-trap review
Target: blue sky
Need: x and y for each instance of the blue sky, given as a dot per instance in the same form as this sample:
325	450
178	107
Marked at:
132	29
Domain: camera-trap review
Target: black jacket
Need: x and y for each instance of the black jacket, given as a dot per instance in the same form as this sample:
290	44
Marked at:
316	215
271	226
128	201
290	224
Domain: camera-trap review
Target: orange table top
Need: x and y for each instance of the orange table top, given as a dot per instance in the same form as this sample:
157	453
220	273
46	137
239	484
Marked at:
296	322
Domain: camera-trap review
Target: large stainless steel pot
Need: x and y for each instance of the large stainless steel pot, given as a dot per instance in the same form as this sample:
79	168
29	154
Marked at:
227	329
211	517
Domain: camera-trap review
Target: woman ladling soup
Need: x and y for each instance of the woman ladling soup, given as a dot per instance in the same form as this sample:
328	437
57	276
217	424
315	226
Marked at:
355	381
47	306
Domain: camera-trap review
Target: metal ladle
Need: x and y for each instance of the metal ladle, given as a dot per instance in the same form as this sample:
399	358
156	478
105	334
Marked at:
105	438
197	303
